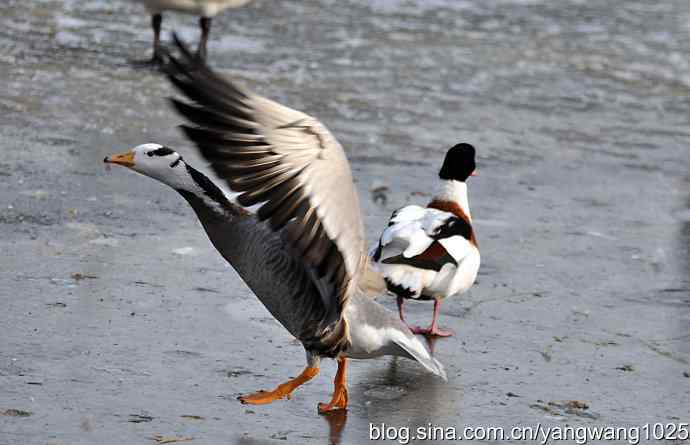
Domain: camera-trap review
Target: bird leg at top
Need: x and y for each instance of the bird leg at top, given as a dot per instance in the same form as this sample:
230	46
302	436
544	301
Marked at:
433	330
340	398
157	58
205	25
156	21
283	390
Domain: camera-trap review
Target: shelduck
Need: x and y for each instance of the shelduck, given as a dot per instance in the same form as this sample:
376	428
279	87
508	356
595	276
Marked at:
431	253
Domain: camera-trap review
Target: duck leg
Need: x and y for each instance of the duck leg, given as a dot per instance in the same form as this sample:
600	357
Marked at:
205	25
400	300
283	390
434	330
339	399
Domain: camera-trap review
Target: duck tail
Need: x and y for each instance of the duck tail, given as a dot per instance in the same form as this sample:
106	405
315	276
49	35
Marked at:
417	351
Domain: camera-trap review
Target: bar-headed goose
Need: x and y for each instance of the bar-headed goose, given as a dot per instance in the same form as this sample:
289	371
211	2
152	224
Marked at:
430	253
307	262
205	9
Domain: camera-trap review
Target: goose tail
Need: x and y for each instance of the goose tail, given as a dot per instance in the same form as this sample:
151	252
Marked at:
375	331
416	350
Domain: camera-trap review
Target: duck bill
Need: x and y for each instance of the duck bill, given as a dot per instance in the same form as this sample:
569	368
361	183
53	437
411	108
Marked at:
474	173
124	159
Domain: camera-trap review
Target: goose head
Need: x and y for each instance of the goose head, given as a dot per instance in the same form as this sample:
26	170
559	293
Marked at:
156	161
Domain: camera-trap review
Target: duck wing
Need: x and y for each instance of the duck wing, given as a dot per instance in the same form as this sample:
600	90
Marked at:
423	237
285	159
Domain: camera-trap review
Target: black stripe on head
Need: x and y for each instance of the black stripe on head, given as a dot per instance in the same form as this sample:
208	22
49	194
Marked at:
211	189
163	151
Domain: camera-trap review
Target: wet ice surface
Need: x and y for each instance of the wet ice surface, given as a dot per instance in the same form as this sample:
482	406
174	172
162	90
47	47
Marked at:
119	318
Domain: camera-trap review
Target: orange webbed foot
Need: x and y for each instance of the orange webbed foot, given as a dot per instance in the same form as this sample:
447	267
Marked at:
339	401
282	391
340	398
262	397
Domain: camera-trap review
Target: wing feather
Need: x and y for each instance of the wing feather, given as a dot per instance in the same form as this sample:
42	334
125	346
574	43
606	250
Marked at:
285	159
423	237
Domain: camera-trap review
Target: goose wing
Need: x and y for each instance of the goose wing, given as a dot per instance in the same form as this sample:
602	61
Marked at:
285	159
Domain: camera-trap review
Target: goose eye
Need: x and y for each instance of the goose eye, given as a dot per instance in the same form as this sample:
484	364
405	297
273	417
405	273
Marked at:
149	154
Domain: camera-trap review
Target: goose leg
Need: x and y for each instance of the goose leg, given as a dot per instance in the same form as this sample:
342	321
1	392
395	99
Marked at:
205	25
283	390
434	330
339	399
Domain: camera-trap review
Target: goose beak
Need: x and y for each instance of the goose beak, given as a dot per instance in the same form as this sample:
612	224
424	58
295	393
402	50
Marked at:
474	173
124	159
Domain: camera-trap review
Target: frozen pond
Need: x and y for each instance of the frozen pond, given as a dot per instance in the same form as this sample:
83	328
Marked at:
120	321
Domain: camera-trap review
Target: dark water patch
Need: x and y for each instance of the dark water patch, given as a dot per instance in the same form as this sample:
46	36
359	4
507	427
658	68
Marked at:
684	244
5	169
626	368
647	131
643	146
573	135
602	150
15	217
55	141
237	372
183	353
567	408
15	413
191	417
206	289
146	283
385	160
140	418
649	168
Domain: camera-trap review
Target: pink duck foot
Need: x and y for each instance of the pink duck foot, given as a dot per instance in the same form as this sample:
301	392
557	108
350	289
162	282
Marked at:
432	331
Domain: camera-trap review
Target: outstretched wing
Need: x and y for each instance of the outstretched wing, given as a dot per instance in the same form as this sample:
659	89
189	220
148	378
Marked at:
285	159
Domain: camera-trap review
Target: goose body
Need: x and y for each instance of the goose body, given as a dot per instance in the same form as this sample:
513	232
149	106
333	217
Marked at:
302	253
264	260
430	253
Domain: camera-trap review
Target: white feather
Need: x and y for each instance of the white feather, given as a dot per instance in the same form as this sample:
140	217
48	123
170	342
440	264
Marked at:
457	246
454	191
411	231
411	278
